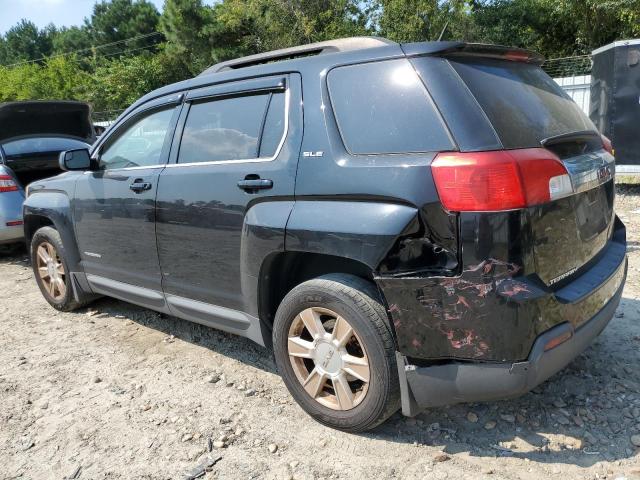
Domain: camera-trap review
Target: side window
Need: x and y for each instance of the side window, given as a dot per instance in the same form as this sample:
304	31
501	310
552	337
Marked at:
383	107
140	144
273	126
232	129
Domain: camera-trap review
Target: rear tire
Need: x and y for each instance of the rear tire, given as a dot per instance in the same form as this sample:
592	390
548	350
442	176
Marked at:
51	270
354	387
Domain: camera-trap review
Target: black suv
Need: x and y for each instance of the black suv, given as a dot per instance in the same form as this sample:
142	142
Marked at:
406	225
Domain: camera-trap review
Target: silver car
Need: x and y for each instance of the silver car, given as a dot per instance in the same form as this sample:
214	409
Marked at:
32	134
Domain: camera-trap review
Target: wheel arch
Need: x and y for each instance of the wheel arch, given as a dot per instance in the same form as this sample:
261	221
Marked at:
283	271
286	243
52	208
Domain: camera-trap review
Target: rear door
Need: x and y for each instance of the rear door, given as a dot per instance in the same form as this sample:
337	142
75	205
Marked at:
528	109
233	148
114	205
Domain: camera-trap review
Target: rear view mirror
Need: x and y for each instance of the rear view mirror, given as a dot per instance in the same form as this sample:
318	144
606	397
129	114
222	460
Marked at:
75	160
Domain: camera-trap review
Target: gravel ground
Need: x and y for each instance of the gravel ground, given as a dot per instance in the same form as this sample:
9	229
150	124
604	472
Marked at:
117	391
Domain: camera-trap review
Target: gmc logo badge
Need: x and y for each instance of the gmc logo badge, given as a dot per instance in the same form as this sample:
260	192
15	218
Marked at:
604	172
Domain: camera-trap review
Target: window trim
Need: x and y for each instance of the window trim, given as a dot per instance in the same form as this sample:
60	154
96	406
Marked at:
234	94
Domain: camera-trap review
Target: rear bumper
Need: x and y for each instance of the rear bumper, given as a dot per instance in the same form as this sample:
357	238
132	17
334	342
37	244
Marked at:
11	211
433	386
14	234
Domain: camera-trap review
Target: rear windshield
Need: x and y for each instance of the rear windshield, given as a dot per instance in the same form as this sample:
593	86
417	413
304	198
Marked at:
522	102
26	146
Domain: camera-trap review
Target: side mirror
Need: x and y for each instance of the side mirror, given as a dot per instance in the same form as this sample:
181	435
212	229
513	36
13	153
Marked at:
75	160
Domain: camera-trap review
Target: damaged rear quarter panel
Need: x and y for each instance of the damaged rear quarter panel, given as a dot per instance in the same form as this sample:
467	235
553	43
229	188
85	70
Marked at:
495	306
484	312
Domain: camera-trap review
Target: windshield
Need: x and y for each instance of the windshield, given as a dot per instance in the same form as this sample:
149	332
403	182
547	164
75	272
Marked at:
524	105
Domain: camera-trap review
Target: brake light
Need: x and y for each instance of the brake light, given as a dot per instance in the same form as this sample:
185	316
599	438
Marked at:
499	180
517	56
606	144
7	184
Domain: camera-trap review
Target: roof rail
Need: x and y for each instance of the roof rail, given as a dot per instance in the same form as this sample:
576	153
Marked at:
319	48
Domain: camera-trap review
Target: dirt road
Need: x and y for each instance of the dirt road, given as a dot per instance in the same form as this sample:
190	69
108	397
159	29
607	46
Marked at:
119	392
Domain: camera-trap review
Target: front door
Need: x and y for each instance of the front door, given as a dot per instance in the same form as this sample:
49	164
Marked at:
114	205
235	146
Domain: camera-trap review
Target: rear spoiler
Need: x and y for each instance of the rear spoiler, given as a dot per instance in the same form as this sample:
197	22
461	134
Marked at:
461	49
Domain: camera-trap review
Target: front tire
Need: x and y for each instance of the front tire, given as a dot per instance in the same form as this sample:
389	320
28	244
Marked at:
51	270
334	349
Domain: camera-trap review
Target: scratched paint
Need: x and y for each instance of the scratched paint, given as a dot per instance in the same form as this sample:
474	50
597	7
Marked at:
490	308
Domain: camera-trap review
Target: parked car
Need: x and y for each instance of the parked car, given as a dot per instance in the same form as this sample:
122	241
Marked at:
406	225
32	135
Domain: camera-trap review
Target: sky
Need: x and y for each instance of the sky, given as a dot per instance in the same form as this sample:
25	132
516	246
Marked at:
43	12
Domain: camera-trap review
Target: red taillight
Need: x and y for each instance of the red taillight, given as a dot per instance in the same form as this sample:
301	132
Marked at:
15	223
7	184
499	180
606	143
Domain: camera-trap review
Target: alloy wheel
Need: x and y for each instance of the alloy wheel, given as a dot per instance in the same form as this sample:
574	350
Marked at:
328	358
51	271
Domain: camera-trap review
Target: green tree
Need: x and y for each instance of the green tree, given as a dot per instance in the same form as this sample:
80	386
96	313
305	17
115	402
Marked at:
72	39
422	20
115	20
118	83
58	78
557	28
24	42
201	35
183	23
259	25
593	23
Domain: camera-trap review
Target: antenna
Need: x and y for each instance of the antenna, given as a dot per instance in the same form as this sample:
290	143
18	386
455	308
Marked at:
444	29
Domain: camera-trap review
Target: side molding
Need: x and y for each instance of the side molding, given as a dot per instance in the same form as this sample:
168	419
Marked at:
221	318
214	316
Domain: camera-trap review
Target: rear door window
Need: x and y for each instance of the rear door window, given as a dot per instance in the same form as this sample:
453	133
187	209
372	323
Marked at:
236	128
522	102
384	108
274	126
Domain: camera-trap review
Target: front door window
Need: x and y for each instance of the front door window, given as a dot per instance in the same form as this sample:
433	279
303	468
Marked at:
140	145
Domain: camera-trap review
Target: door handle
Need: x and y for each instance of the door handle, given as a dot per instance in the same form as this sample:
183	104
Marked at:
255	184
139	186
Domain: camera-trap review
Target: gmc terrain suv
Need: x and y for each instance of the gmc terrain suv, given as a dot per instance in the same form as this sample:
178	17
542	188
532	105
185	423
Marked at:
407	225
